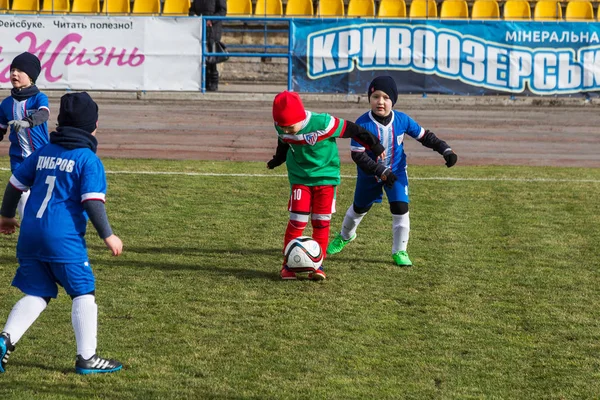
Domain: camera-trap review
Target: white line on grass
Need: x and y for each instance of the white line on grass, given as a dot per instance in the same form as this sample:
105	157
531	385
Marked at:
432	178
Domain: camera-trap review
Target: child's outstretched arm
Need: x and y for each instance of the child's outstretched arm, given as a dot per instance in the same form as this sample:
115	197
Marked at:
97	212
371	167
433	142
364	137
279	156
36	118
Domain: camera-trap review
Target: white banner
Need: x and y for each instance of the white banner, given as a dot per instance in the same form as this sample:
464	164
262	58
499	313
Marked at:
105	53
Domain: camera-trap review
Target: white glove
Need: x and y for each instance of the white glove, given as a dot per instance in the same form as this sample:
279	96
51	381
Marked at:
18	125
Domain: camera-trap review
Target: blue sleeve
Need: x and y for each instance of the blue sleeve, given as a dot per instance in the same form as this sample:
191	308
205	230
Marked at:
25	173
362	121
411	127
93	180
42	101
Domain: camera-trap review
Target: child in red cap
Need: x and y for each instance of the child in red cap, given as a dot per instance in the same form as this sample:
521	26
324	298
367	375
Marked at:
306	143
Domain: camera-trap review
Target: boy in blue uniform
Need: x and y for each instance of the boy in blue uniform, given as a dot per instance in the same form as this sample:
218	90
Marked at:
25	112
391	127
68	184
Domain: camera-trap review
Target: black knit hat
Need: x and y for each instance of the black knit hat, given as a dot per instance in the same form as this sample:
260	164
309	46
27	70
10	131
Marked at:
387	85
27	63
78	110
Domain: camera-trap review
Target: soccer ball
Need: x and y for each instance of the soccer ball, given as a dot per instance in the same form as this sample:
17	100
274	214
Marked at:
303	254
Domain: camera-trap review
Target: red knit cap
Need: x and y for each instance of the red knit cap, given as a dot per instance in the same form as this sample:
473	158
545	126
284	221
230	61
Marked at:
288	109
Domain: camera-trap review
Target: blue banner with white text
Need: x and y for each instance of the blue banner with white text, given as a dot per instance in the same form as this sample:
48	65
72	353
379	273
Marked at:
451	57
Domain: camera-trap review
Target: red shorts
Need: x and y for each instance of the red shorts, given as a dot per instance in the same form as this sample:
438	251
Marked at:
312	199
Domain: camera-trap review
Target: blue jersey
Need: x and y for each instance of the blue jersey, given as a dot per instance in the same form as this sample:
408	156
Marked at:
54	221
28	140
391	137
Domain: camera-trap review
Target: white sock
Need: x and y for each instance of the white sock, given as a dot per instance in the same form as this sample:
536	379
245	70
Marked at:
23	315
21	205
400	231
351	222
84	316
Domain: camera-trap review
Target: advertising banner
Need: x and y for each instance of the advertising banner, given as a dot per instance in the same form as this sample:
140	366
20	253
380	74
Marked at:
105	53
453	57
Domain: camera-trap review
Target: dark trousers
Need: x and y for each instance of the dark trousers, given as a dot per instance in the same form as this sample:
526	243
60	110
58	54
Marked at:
212	78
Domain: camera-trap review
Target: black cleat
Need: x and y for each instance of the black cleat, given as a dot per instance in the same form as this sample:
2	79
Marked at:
96	365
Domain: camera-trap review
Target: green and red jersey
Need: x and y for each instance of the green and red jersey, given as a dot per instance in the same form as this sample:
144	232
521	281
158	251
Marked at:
312	158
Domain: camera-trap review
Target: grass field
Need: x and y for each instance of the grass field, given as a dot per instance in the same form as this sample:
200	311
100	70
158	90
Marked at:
502	302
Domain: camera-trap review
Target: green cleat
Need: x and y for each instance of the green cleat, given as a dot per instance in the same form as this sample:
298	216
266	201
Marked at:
401	259
338	244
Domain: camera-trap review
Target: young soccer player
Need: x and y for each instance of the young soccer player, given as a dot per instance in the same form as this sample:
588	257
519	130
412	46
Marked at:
390	127
306	143
25	112
67	183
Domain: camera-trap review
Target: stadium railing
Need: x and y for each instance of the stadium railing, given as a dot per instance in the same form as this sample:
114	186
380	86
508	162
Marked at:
264	26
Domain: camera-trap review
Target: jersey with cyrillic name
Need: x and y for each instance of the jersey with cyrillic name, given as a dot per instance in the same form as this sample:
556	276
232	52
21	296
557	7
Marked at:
28	140
313	158
54	221
391	137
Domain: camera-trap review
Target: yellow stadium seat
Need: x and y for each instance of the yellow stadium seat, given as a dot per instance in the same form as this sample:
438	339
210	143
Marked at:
56	7
517	9
146	7
331	8
454	9
579	10
392	8
240	8
485	9
271	8
361	8
3	6
547	10
85	7
423	9
25	7
299	7
116	7
176	7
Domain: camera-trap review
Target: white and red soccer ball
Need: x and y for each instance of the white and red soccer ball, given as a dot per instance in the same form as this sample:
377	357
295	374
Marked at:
303	254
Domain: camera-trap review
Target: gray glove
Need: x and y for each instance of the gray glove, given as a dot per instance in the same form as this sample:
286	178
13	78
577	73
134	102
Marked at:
18	125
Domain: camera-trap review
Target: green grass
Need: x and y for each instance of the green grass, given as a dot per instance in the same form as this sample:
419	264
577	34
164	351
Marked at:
502	302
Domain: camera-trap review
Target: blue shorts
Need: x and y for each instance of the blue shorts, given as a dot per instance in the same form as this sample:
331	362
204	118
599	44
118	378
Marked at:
39	278
369	190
